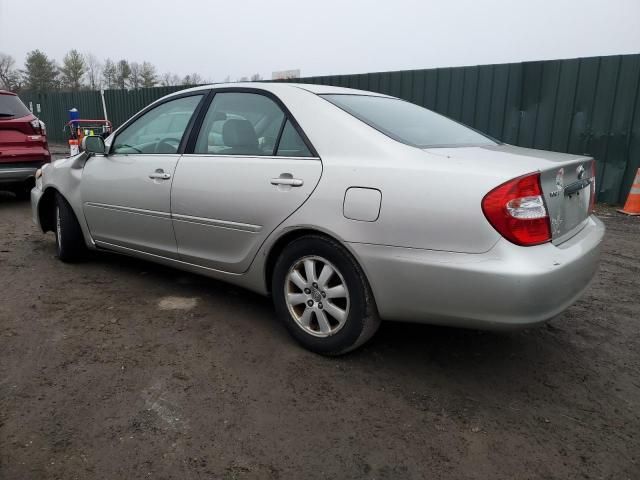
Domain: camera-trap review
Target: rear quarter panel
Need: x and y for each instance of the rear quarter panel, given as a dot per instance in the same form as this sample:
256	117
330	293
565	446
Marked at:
428	201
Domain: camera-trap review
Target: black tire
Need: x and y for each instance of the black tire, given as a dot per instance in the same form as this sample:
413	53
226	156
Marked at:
70	245
362	319
23	192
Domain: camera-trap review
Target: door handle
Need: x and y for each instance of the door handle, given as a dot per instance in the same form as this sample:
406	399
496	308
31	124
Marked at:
292	182
160	174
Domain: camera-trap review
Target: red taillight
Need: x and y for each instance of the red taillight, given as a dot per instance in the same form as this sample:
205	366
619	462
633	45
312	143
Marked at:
517	211
38	127
592	189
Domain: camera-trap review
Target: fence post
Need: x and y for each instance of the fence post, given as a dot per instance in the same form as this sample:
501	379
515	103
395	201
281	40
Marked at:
104	105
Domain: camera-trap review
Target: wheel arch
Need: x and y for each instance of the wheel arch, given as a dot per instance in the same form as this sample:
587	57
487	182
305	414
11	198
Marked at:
285	239
47	209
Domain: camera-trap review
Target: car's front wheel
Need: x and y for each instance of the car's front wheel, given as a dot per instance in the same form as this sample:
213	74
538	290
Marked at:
70	244
323	297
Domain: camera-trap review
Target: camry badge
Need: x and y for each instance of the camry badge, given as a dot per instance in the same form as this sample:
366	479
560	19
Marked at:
580	172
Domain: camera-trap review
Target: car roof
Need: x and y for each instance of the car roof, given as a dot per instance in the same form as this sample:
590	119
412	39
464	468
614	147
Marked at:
281	86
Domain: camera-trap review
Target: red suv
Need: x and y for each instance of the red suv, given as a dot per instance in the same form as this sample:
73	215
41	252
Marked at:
23	145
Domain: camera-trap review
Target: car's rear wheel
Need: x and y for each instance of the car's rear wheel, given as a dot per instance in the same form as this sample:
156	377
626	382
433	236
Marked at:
323	297
70	244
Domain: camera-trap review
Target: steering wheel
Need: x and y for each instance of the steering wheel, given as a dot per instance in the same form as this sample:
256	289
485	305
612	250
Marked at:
167	142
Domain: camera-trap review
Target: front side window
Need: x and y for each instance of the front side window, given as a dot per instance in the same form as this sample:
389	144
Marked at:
160	130
409	123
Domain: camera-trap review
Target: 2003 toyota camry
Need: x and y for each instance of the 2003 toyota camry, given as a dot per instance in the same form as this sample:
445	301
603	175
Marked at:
346	206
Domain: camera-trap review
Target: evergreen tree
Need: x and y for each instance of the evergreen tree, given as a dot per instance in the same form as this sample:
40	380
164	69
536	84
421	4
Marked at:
123	74
40	73
109	73
148	75
72	70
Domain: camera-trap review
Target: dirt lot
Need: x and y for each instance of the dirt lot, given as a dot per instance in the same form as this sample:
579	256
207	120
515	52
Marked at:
120	369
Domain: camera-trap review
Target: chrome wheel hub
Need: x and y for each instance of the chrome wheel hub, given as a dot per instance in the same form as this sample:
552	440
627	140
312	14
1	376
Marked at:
317	296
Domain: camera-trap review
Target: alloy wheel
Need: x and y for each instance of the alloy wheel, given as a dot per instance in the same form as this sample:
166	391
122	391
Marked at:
317	296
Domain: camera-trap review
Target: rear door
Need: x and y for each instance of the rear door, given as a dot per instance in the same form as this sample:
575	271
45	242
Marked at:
249	170
126	195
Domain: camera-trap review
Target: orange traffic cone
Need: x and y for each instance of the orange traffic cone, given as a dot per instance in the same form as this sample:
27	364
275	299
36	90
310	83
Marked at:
632	207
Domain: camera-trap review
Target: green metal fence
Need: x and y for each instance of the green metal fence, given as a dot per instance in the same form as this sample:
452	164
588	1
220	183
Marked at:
586	105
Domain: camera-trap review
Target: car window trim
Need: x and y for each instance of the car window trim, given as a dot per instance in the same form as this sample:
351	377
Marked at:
198	124
276	146
187	131
228	155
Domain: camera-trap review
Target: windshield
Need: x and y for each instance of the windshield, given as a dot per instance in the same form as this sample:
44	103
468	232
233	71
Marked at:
11	106
409	123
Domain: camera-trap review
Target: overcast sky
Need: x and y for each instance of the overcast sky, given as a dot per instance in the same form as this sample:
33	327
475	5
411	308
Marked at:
239	38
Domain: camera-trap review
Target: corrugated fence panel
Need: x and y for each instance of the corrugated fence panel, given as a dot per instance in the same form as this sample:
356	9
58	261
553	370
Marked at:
623	156
583	106
546	105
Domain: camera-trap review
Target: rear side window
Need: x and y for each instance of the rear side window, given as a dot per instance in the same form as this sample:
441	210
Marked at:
248	124
11	106
409	123
291	144
239	123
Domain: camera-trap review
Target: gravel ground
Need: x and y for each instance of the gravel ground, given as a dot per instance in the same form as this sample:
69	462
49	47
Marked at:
117	368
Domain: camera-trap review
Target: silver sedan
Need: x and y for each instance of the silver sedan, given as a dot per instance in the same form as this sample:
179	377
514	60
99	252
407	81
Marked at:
345	206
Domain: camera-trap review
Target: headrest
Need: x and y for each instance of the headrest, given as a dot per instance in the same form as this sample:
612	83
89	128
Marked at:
239	133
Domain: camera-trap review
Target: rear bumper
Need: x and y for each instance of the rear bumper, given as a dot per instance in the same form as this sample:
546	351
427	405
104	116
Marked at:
16	175
17	172
509	286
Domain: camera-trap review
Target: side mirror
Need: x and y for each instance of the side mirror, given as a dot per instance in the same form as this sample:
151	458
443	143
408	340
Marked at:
93	144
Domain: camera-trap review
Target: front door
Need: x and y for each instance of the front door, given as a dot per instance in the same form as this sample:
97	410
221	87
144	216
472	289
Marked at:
250	169
126	194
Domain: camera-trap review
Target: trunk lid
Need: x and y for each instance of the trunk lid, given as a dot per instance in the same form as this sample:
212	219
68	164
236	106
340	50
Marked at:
567	194
565	179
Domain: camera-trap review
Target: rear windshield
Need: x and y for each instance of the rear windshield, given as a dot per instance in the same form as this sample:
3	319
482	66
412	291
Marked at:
409	123
11	106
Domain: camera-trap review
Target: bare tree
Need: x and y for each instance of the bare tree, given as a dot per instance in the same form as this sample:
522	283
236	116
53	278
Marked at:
94	71
227	79
256	77
134	78
169	79
9	75
192	79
